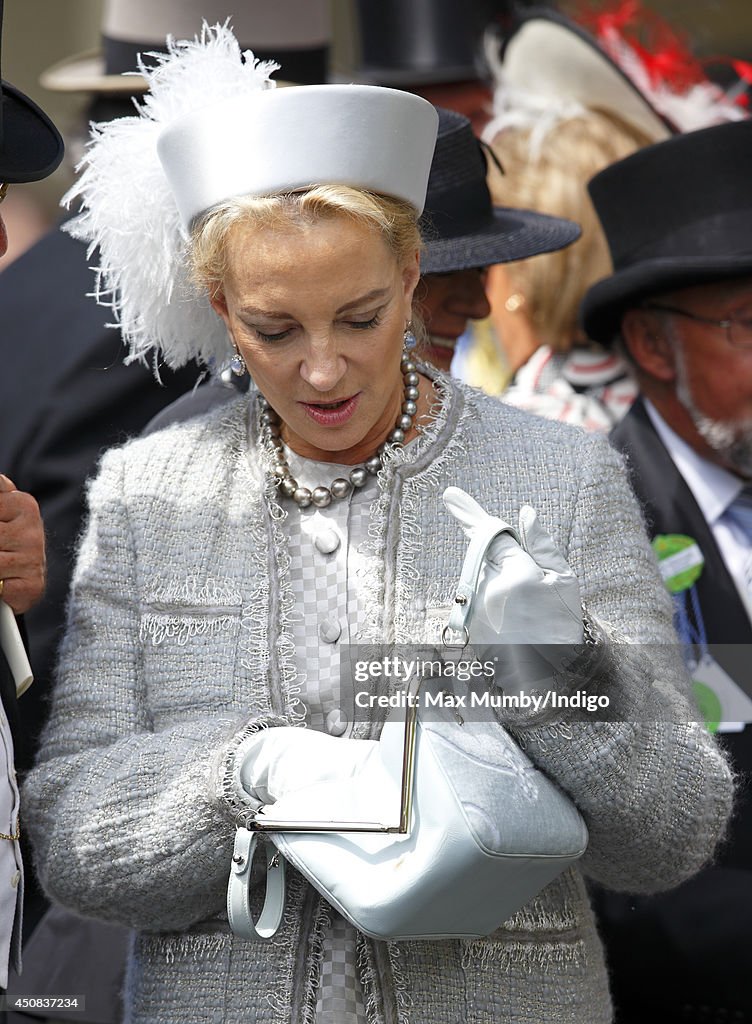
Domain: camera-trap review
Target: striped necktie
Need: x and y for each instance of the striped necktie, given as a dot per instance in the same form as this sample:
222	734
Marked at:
740	513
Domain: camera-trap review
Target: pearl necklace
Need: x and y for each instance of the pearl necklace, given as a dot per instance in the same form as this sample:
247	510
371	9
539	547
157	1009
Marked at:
341	487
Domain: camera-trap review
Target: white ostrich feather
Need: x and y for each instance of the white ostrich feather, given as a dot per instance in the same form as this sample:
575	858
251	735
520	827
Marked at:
128	212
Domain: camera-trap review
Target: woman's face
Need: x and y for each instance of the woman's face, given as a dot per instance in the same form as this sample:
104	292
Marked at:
318	313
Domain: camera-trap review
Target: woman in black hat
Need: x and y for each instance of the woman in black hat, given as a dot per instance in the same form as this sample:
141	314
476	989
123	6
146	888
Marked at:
464	233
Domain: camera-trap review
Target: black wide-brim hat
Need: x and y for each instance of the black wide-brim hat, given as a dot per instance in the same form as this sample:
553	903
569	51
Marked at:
30	144
675	214
461	227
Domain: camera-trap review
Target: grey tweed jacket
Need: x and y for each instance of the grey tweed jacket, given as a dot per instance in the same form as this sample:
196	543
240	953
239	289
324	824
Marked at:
178	647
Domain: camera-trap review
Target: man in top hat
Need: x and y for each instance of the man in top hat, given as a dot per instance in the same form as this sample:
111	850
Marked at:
678	217
30	149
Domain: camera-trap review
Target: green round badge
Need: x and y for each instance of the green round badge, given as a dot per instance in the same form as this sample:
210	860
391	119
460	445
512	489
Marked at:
709	705
679	559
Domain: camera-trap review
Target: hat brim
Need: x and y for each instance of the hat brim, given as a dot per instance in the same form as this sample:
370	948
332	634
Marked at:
85	72
549	55
607	301
510	235
31	146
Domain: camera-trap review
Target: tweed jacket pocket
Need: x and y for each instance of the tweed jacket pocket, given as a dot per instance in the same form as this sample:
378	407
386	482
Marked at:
551	920
190	631
203	957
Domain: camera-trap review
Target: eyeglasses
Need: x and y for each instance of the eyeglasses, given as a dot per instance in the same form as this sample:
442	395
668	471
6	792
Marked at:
738	330
3	191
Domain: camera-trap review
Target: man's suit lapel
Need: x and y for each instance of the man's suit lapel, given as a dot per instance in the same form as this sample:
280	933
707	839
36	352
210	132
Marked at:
670	507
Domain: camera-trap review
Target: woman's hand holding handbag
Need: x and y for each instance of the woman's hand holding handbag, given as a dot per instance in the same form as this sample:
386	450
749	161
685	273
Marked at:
518	601
442	828
276	761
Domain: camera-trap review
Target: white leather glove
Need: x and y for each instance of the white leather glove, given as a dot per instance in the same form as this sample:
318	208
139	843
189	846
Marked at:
281	760
527	595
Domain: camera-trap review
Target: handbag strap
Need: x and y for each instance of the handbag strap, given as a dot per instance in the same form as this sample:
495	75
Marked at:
238	889
482	538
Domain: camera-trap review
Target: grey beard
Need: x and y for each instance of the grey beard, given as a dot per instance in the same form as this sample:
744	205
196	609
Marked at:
732	441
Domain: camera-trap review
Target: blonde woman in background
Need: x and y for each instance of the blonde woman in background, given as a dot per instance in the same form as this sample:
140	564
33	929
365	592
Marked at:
535	303
563	110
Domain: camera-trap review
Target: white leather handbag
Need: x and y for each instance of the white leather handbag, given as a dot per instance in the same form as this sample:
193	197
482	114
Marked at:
446	829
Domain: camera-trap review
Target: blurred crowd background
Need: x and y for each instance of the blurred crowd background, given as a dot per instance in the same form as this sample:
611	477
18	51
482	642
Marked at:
433	46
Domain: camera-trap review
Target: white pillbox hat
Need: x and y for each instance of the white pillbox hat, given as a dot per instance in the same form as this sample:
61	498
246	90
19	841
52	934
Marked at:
211	127
282	140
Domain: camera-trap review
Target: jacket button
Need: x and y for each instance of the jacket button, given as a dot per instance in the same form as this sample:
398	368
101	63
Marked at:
330	631
336	722
326	541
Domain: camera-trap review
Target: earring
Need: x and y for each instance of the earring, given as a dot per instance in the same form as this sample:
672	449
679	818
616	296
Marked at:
515	302
237	365
410	341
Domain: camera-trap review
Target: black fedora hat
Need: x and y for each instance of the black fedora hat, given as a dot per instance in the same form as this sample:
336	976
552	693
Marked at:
461	227
675	214
30	144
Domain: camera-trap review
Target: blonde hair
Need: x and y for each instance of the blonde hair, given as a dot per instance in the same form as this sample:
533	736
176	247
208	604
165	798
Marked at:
554	180
394	219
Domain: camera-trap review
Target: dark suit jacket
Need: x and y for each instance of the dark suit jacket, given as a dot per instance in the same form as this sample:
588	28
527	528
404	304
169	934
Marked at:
65	397
686	955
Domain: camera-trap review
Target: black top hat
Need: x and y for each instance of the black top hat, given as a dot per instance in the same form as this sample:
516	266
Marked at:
461	227
30	144
675	214
421	41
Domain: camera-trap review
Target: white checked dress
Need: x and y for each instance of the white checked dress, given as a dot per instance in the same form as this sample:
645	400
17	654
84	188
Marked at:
327	560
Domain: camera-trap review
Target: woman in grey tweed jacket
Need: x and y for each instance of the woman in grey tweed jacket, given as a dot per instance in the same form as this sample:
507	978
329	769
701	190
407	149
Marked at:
191	603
